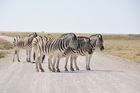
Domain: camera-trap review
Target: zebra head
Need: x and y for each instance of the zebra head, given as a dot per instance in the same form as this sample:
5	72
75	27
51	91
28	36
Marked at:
72	39
97	41
33	35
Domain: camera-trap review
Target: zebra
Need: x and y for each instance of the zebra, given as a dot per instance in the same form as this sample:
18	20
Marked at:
23	43
95	41
52	47
85	48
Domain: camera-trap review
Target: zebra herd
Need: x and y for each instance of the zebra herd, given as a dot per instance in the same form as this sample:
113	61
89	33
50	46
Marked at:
67	45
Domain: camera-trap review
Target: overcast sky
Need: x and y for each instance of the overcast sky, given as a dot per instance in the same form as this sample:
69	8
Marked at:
82	16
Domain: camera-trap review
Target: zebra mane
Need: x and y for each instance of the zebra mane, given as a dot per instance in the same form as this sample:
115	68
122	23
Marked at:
65	36
99	35
34	34
94	35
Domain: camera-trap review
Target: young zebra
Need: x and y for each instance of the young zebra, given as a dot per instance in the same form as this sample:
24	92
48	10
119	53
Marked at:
23	43
95	41
52	48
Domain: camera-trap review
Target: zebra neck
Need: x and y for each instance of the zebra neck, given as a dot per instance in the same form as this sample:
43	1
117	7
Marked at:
30	39
94	43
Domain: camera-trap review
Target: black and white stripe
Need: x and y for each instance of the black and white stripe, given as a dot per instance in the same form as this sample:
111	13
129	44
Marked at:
54	48
87	50
23	43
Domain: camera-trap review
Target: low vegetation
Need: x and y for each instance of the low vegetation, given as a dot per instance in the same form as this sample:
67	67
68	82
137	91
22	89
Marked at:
3	54
129	49
4	45
122	45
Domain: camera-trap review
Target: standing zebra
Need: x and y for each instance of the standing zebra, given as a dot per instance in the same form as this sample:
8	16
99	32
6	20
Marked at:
23	43
95	41
52	48
85	48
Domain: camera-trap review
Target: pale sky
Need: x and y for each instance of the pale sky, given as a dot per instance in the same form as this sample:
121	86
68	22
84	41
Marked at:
79	16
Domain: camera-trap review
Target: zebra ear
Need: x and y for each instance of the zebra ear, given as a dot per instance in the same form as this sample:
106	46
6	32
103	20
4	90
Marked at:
100	37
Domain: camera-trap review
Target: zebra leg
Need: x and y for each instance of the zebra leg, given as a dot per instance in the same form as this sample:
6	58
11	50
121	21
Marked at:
53	65
18	55
40	66
36	61
71	64
57	65
29	55
14	55
75	58
88	64
67	58
49	63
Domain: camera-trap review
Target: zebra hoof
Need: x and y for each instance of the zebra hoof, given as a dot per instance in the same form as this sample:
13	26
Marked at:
28	60
50	69
37	70
18	60
42	70
58	70
53	70
77	68
66	69
88	69
71	69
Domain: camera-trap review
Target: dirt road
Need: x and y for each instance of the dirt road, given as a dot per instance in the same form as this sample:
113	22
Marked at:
109	74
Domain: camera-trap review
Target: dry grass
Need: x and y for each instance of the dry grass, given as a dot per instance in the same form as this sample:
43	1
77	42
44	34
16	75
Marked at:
4	44
129	49
13	34
126	46
3	54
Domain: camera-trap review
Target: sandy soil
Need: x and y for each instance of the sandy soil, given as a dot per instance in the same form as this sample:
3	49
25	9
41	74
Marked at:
109	74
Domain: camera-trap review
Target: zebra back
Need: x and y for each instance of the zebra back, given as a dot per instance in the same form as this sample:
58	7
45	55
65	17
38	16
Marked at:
49	45
24	42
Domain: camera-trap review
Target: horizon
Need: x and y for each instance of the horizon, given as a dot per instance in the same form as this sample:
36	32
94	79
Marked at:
70	32
77	16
